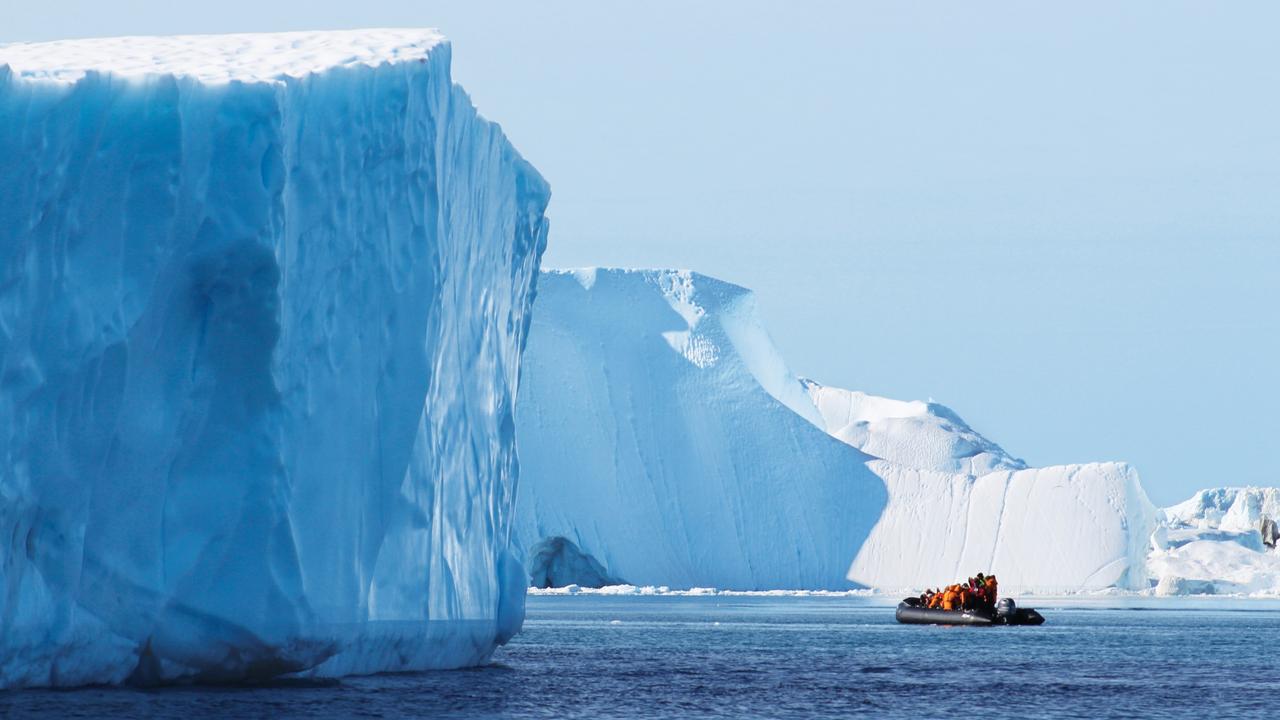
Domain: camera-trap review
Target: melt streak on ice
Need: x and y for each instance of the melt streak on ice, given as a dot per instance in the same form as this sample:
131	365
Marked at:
663	437
262	303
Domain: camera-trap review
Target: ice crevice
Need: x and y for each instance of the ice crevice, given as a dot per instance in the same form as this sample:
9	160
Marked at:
999	514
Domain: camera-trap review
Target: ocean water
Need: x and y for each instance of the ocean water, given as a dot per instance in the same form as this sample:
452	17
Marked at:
732	657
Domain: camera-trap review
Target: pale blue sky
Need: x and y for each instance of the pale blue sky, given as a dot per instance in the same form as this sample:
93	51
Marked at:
1063	222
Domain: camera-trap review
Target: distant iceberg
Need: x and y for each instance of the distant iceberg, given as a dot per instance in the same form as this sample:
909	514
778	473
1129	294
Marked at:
662	434
262	304
1212	544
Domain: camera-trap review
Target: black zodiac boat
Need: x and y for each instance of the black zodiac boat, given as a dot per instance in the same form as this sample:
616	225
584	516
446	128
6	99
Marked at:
1006	613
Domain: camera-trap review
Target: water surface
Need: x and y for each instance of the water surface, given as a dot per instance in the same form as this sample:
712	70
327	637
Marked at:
635	656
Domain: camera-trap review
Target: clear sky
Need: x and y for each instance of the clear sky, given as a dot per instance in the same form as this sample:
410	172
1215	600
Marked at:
1063	222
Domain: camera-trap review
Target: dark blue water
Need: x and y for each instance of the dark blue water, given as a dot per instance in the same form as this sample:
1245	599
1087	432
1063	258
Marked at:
788	657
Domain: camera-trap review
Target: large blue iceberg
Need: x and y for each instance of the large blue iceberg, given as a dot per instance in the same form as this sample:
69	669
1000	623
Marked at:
262	305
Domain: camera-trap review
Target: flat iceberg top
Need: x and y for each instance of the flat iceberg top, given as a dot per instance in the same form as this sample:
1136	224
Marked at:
249	57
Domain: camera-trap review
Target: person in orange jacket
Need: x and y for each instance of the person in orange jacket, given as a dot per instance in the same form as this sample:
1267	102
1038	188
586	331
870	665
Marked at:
989	589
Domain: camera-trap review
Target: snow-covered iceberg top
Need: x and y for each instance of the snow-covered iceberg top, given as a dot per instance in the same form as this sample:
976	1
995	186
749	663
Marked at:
252	57
912	433
259	347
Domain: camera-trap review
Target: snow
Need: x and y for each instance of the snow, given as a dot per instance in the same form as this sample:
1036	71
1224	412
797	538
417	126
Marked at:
920	435
661	432
214	59
262	303
1207	567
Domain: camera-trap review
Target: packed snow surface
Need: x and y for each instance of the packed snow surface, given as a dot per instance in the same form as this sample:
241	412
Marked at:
662	433
1208	567
914	434
213	59
262	303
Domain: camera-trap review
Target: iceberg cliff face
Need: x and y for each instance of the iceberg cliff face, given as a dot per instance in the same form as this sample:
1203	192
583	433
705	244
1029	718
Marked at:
648	441
1051	529
262	303
661	433
958	502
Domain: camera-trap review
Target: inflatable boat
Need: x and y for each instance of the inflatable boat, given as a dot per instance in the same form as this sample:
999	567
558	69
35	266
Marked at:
1006	613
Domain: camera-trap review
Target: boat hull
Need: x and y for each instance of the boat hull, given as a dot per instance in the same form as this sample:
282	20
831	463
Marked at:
913	614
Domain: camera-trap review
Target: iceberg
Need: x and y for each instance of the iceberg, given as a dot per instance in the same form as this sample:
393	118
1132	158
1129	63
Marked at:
648	441
1238	509
1211	544
262	305
1051	529
662	435
1040	530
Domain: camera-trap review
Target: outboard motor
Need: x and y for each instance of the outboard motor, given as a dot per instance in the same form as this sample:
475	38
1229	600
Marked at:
1006	609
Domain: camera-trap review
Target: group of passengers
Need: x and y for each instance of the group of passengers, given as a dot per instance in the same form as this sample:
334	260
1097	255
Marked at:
978	592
